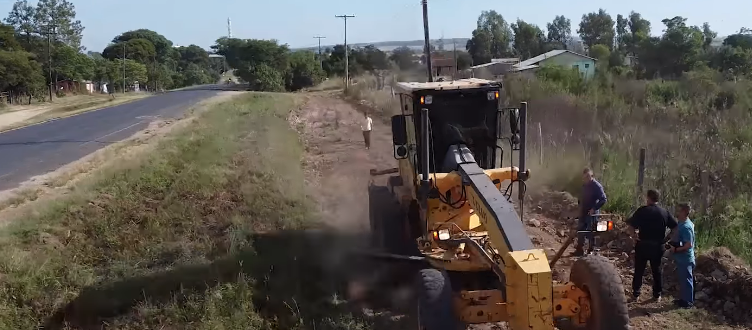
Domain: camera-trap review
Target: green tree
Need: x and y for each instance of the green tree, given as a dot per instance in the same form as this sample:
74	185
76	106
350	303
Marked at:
21	17
601	53
529	39
403	57
193	54
743	39
708	35
733	60
134	72
140	50
162	45
305	71
491	38
639	32
597	29
264	77
61	16
559	32
479	47
622	34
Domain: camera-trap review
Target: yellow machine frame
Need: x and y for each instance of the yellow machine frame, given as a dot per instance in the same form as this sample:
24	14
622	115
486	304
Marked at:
480	242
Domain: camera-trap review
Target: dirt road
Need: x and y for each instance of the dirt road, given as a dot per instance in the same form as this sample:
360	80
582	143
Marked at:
338	165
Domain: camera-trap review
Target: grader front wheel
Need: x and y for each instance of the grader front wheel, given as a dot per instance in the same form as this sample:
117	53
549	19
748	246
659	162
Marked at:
608	305
434	298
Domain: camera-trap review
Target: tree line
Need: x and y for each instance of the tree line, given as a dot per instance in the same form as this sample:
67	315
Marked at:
41	45
680	48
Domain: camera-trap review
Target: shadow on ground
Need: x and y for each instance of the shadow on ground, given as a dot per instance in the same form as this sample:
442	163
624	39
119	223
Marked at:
311	270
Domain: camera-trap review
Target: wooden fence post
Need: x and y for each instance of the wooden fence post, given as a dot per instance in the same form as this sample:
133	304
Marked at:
640	177
540	141
705	191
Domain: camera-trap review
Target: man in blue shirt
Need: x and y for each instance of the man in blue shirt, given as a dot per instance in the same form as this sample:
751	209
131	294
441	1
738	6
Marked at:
684	256
592	199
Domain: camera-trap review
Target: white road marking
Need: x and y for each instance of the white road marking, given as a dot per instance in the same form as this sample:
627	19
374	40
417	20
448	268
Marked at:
106	135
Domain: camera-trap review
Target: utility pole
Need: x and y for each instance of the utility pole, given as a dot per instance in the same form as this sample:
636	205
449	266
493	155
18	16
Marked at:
347	54
124	68
49	30
456	66
428	40
49	59
321	61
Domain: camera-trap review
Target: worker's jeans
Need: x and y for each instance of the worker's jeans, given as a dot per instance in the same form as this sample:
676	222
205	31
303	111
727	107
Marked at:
585	222
367	138
685	271
645	252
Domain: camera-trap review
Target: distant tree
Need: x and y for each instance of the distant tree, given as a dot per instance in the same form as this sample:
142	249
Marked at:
162	45
21	18
305	71
622	32
708	35
403	57
597	28
529	39
639	32
491	38
560	32
601	53
739	40
61	16
140	50
479	47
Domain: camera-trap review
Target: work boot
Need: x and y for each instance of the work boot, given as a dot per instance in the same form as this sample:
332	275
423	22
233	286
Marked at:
578	252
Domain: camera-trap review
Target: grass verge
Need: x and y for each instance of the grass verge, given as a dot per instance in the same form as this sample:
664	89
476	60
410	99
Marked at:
203	233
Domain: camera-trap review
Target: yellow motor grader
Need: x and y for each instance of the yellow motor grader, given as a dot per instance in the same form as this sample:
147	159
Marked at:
460	222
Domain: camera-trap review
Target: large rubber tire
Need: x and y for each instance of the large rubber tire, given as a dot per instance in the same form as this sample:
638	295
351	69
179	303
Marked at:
388	227
434	297
608	304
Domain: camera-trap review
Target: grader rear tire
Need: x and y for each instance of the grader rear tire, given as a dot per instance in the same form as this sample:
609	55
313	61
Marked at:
434	295
608	304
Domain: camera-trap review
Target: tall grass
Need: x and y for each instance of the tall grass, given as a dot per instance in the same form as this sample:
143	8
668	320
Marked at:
201	234
696	124
690	126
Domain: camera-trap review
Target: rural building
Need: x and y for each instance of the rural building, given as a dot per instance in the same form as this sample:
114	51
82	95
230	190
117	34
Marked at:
443	67
565	58
494	69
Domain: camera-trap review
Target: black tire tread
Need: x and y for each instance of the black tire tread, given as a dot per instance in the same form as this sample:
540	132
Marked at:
435	301
608	302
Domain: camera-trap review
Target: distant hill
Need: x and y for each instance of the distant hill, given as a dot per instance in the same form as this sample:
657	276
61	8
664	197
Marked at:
391	45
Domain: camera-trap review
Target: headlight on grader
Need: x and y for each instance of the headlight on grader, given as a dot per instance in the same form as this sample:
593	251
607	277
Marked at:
604	226
441	235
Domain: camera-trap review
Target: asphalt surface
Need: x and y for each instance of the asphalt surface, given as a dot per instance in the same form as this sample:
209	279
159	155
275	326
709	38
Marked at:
42	148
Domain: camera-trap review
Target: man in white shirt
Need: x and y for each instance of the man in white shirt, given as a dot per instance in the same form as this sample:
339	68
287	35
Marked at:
366	127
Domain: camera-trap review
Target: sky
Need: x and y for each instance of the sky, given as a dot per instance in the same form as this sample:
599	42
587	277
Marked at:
296	22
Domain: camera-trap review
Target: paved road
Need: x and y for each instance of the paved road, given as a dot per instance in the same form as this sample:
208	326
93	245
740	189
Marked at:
42	148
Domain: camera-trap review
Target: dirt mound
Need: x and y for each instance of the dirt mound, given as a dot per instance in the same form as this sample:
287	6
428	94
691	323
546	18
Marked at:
724	285
555	204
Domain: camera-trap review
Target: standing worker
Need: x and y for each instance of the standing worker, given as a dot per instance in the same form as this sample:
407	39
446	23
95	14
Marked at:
683	250
651	222
366	127
592	199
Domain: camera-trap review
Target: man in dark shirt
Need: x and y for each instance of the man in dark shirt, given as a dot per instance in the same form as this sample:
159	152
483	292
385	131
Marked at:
592	199
651	222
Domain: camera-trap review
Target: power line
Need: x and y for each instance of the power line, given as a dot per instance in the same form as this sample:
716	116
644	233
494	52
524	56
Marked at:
347	54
